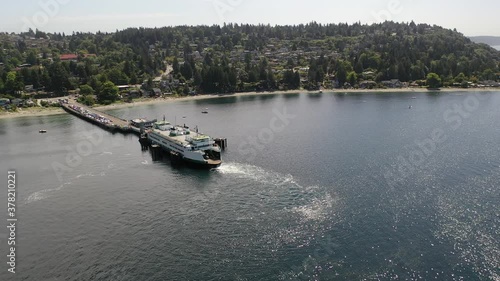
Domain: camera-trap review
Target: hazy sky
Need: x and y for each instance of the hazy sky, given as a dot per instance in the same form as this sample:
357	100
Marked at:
480	17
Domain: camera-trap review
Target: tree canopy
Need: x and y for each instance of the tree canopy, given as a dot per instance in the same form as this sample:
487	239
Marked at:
108	93
433	81
233	57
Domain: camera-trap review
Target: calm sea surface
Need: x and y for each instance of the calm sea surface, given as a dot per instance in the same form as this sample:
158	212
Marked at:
313	187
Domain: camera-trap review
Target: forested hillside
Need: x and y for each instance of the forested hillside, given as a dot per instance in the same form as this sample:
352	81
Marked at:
213	59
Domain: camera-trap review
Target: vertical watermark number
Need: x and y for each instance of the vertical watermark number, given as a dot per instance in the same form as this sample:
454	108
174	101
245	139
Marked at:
11	220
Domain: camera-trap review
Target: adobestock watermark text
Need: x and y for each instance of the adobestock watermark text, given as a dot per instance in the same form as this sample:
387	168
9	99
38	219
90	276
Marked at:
423	150
255	144
393	8
222	7
49	9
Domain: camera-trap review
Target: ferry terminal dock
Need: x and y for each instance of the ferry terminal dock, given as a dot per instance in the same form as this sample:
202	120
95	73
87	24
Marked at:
114	124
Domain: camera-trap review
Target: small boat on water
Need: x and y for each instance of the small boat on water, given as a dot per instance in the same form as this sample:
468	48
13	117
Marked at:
42	131
205	111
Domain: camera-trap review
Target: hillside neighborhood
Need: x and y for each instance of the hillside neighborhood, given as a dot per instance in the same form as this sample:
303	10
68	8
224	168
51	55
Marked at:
180	61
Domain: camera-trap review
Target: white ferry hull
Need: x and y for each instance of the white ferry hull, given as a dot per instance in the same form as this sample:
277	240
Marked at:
194	158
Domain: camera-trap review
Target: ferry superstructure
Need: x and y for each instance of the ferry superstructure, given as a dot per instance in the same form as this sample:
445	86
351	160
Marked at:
194	148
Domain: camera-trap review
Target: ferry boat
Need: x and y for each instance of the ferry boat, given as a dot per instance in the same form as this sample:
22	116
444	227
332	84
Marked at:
194	148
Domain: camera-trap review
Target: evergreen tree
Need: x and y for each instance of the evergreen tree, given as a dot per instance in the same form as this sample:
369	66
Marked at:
175	66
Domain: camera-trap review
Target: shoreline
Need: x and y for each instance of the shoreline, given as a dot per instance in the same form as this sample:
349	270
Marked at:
32	112
38	111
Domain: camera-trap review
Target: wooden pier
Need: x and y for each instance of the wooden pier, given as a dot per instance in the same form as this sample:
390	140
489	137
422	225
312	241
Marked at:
101	119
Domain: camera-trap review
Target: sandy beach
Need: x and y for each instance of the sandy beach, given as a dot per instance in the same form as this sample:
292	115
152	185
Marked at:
39	111
32	111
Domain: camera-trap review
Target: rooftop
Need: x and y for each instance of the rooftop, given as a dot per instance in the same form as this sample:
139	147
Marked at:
68	57
182	135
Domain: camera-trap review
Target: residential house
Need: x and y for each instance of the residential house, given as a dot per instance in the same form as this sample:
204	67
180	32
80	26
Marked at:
393	83
156	92
29	103
29	88
124	87
157	81
489	83
368	75
144	93
367	84
134	94
18	102
68	57
4	102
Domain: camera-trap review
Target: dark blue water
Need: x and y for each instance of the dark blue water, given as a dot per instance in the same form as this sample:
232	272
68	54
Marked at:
313	187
